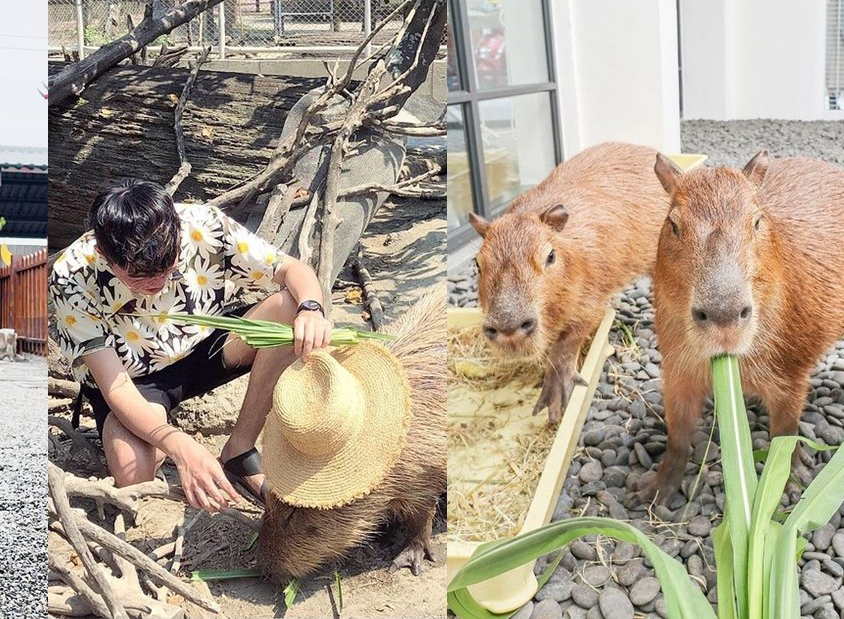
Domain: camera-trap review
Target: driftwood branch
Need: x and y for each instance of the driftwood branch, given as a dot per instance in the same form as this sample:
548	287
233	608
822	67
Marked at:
104	491
373	304
79	441
184	164
73	79
70	525
401	188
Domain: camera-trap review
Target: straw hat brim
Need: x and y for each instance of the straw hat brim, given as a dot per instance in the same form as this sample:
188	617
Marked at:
359	466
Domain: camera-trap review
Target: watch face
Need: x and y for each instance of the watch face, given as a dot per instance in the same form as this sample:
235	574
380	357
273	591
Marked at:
311	306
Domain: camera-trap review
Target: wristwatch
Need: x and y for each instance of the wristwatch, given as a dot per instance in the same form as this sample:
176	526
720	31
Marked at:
310	306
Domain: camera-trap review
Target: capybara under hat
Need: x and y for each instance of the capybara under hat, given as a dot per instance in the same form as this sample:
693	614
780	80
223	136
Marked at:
338	423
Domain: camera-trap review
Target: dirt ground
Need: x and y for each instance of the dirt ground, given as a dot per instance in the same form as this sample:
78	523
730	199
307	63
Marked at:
404	251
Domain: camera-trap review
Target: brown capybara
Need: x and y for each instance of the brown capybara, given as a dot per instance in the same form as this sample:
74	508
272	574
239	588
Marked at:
550	264
750	264
296	541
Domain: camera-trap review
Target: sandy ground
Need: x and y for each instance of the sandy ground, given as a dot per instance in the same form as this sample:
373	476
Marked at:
404	251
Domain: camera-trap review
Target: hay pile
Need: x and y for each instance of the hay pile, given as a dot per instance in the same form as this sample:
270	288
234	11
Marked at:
494	507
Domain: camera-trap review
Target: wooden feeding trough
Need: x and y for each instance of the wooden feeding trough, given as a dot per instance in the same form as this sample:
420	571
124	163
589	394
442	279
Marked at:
512	454
506	467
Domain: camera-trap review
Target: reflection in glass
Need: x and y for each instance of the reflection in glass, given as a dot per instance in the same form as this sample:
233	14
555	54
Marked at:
460	196
453	72
518	145
508	42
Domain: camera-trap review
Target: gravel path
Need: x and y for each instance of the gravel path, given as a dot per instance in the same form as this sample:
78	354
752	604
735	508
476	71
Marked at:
624	436
23	489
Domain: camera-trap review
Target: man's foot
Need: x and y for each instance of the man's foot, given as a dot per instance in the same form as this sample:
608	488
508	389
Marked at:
245	473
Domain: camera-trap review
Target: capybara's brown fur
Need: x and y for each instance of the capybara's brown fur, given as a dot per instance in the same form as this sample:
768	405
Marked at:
749	263
550	264
297	541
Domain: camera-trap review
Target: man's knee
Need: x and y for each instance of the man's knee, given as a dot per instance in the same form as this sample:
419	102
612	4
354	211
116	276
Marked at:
279	306
130	459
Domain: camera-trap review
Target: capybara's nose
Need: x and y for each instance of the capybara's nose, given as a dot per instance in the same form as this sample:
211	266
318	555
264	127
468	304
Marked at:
511	328
722	314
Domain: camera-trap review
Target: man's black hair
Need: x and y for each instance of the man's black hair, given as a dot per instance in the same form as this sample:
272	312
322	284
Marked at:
136	227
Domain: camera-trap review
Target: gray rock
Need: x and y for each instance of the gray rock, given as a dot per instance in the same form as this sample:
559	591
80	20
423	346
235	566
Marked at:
591	472
630	573
833	568
546	609
811	607
838	543
828	612
582	550
584	596
699	526
615	605
822	538
575	612
838	599
524	612
642	455
596	575
558	590
817	583
644	591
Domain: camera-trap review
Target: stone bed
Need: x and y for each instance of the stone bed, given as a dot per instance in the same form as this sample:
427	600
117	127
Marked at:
624	436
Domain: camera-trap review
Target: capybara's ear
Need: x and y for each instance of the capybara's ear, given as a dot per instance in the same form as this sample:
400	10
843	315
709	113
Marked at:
756	168
556	217
480	224
667	172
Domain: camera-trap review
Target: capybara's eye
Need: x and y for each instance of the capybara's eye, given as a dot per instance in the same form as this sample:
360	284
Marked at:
757	223
674	227
477	265
552	257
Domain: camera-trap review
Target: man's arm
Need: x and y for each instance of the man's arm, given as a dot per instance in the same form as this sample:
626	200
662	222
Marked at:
201	475
310	329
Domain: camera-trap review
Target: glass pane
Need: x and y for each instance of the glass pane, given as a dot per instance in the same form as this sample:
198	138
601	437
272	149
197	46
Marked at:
460	197
453	74
508	42
518	144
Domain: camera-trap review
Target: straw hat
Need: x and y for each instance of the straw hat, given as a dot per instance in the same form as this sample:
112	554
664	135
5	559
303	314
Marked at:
337	426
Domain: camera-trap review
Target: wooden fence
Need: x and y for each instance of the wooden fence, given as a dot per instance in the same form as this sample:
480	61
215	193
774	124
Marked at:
23	301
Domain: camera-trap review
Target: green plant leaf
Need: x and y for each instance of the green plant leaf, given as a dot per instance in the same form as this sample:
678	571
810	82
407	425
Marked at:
683	598
291	591
339	584
740	480
725	584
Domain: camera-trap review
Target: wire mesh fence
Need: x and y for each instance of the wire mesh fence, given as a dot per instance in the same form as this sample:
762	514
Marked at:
248	26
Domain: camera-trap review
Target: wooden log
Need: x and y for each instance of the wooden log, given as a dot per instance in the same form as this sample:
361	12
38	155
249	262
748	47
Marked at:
125	129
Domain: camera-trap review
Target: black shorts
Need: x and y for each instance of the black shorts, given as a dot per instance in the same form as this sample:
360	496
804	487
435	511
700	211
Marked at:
200	372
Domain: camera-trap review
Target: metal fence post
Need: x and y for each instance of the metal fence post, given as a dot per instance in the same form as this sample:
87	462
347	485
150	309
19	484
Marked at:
367	24
222	30
80	30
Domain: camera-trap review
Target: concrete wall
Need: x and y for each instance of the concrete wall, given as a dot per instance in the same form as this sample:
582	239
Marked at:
754	59
618	72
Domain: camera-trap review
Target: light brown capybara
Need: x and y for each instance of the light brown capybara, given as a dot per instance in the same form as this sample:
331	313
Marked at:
749	263
550	264
297	541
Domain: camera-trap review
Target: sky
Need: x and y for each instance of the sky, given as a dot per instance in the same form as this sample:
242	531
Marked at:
23	71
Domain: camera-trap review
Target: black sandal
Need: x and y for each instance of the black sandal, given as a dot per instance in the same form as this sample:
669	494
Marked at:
242	466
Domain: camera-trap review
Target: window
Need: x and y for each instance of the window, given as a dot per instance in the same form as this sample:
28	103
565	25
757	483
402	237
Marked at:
835	54
503	128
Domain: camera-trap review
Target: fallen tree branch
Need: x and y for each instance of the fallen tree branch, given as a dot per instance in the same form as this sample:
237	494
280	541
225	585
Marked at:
79	441
184	164
72	531
397	189
63	388
73	79
104	491
373	304
87	596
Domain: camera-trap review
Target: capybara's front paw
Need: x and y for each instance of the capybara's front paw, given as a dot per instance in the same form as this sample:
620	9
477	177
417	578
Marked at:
652	488
413	554
556	392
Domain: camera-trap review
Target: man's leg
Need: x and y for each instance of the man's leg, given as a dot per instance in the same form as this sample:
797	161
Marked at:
130	459
267	365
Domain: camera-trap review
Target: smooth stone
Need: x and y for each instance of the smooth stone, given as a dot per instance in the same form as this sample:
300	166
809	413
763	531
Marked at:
559	590
594	613
642	455
817	583
815	605
582	550
615	605
699	526
546	609
630	572
644	591
524	612
597	575
575	612
591	472
838	543
822	538
584	596
827	613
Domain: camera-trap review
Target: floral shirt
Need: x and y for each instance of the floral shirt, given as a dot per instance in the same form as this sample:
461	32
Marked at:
95	310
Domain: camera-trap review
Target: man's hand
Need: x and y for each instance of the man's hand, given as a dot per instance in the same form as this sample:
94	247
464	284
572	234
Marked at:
310	332
202	476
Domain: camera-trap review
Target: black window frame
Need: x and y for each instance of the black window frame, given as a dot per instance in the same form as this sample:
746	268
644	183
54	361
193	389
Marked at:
469	98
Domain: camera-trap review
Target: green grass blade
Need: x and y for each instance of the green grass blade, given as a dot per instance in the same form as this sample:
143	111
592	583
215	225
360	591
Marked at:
785	594
725	584
339	584
209	575
821	499
683	598
737	460
291	591
768	495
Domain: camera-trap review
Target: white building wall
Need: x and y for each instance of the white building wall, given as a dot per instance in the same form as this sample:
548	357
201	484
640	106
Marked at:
617	69
754	59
